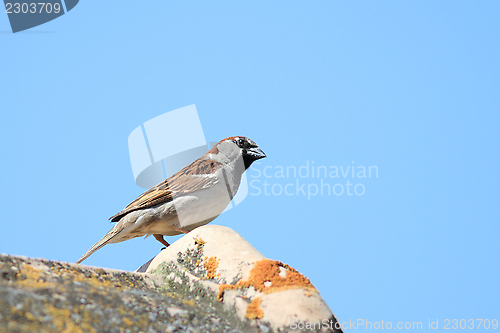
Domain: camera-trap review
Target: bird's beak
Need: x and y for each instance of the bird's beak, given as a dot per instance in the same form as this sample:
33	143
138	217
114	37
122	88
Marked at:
255	153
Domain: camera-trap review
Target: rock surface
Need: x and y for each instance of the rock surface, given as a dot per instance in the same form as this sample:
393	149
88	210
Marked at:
210	280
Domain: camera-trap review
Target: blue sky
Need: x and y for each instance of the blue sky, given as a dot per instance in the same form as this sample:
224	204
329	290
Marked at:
411	87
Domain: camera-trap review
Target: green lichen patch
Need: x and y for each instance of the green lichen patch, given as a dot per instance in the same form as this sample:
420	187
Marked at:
177	282
192	260
199	265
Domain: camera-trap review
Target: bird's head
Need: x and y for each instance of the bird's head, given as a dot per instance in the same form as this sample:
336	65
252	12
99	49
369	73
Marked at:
238	147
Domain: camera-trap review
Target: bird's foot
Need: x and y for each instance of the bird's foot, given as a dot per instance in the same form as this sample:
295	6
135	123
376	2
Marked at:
160	239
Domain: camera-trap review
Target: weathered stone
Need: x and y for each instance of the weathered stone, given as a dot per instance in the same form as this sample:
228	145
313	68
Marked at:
38	295
265	292
210	280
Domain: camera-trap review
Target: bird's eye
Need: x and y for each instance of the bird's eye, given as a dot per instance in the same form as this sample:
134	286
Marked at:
240	143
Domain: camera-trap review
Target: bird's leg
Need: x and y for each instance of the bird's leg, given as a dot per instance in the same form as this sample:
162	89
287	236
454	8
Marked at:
160	239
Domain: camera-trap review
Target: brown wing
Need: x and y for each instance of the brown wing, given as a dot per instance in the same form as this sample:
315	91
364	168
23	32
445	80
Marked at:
196	176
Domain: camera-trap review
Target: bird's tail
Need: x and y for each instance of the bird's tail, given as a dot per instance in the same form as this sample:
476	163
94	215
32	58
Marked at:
112	233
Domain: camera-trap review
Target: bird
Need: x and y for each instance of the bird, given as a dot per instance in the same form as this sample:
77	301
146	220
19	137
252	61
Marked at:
192	197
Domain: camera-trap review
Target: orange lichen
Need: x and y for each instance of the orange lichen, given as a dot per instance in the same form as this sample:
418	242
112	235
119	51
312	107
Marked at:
35	278
253	310
40	278
267	277
127	321
211	265
199	242
189	302
60	318
98	279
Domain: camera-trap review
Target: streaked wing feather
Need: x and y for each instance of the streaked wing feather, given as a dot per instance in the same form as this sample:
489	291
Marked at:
193	177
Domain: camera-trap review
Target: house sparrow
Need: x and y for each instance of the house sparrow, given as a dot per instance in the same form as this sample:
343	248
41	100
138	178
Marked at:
192	197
